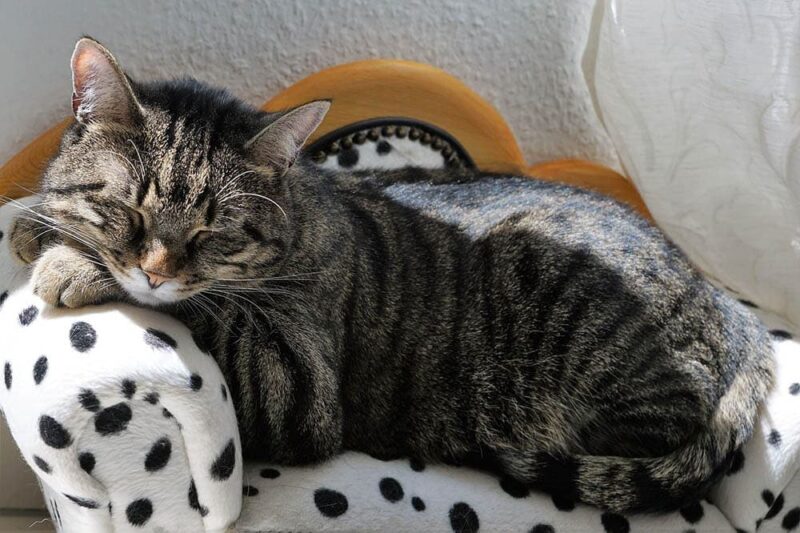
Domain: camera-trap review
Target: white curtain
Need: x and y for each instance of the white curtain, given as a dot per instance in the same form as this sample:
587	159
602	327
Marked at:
702	100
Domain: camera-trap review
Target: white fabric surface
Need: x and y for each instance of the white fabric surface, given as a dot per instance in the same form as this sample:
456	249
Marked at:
702	99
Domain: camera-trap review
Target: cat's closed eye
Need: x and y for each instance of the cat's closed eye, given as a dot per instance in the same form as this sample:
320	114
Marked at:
137	219
198	237
137	223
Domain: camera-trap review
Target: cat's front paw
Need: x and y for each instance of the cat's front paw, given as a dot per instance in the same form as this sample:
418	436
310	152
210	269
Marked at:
64	277
27	237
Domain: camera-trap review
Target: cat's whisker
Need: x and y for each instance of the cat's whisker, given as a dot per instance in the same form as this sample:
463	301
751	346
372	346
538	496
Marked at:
255	195
139	155
27	209
26	189
38	236
92	259
73	234
226	294
228	298
65	229
204	303
209	301
267	292
261	290
240	286
40	204
232	181
289	277
133	168
104	283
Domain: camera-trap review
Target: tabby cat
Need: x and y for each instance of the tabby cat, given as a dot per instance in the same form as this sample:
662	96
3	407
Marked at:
443	315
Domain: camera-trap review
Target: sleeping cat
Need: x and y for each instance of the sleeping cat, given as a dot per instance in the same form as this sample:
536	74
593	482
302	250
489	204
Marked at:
444	315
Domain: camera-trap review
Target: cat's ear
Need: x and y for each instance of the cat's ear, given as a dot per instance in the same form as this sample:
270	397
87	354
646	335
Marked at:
278	145
101	93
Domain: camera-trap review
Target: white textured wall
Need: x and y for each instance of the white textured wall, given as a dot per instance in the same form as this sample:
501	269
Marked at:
523	56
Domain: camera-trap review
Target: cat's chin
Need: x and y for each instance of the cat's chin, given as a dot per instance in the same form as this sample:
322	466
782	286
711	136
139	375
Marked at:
135	284
151	299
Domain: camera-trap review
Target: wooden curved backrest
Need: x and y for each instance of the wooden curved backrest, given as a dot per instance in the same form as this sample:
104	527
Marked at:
384	88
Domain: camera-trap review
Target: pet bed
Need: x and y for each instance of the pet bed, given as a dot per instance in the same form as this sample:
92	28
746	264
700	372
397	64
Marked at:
129	426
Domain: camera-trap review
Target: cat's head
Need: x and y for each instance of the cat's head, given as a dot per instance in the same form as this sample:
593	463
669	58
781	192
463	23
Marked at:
178	187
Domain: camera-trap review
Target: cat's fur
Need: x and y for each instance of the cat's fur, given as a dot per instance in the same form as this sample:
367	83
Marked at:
443	315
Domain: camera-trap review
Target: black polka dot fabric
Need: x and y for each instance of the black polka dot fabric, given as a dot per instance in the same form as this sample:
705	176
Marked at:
28	315
383	148
417	503
463	518
780	334
791	519
82	336
223	466
775	505
40	370
737	463
387	146
139	512
692	513
194	501
42	464
88	390
53	433
330	502
348	158
113	420
159	340
391	489
615	523
269	473
158	456
89	401
87	462
83	502
128	388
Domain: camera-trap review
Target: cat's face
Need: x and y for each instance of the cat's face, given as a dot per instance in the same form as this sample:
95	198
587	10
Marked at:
178	188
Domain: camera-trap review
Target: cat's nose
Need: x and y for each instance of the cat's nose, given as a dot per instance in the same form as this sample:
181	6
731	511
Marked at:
155	279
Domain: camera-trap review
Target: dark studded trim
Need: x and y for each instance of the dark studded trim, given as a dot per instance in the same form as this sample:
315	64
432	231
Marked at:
374	129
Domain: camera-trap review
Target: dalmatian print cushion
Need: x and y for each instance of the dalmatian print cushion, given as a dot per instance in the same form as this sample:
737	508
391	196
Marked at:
130	427
126	422
387	144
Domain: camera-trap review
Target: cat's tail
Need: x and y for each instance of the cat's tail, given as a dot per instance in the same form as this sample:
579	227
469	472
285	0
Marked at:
657	484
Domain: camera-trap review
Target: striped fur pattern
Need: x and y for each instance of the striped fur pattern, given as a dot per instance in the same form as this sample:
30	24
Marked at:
445	315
